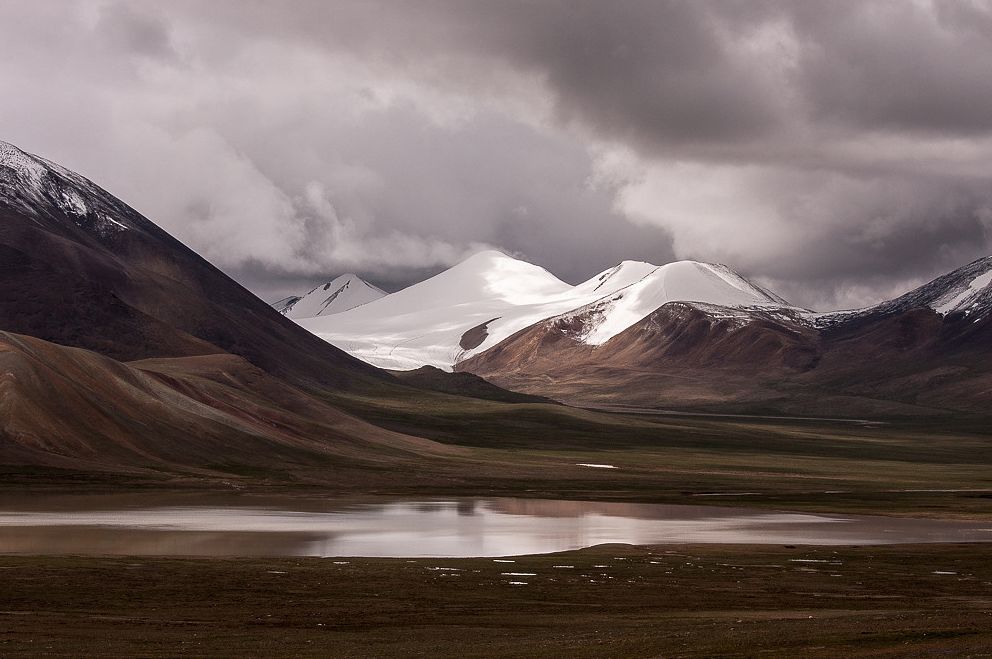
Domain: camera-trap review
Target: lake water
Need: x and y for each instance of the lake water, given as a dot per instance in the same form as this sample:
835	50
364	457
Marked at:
194	525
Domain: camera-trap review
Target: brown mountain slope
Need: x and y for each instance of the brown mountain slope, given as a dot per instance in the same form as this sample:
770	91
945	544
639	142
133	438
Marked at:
73	408
691	356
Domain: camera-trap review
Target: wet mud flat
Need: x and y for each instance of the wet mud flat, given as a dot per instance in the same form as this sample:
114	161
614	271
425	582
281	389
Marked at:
616	600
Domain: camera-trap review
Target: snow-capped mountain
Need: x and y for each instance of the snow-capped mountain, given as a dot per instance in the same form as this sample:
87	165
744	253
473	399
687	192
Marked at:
481	301
340	294
684	334
42	189
925	351
683	281
965	292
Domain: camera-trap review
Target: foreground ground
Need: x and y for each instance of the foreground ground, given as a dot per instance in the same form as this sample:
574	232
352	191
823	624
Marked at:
603	601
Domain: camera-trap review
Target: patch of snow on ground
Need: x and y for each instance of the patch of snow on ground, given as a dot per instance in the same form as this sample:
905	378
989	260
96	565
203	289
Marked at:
594	465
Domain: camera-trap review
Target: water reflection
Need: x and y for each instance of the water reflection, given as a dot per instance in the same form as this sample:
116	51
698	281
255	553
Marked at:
247	526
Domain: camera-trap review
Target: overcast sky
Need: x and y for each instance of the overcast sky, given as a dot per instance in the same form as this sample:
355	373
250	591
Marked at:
839	152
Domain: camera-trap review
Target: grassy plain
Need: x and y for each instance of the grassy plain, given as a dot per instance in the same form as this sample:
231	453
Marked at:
612	601
919	467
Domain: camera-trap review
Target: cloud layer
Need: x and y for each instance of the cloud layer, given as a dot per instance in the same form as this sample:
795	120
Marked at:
839	152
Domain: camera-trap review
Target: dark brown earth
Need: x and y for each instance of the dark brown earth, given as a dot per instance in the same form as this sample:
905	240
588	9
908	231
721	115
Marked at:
615	601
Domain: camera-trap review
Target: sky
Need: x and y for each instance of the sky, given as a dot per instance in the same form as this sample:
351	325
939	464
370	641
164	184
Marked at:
838	152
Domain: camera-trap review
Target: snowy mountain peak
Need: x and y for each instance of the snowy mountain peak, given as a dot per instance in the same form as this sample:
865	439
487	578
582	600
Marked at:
746	286
487	274
486	298
966	291
20	163
336	296
485	256
623	274
46	191
681	281
970	292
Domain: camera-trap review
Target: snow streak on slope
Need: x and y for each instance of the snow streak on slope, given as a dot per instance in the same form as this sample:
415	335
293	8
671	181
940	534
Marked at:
338	295
486	298
966	298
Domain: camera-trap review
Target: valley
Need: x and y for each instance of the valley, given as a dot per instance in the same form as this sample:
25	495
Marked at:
508	328
153	378
154	369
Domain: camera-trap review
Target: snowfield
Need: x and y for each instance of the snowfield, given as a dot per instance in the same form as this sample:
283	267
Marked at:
488	297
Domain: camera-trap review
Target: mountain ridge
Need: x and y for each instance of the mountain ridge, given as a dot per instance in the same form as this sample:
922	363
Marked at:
487	297
924	352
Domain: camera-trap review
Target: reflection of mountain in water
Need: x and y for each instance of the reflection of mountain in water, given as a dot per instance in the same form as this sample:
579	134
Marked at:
443	528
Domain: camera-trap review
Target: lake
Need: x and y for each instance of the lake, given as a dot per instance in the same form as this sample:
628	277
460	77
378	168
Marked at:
211	525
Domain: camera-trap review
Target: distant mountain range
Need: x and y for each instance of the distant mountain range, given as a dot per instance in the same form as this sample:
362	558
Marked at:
340	294
683	335
483	300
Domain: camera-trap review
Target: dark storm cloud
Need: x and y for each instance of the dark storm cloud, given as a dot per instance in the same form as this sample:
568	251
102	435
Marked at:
837	150
895	66
641	70
646	72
